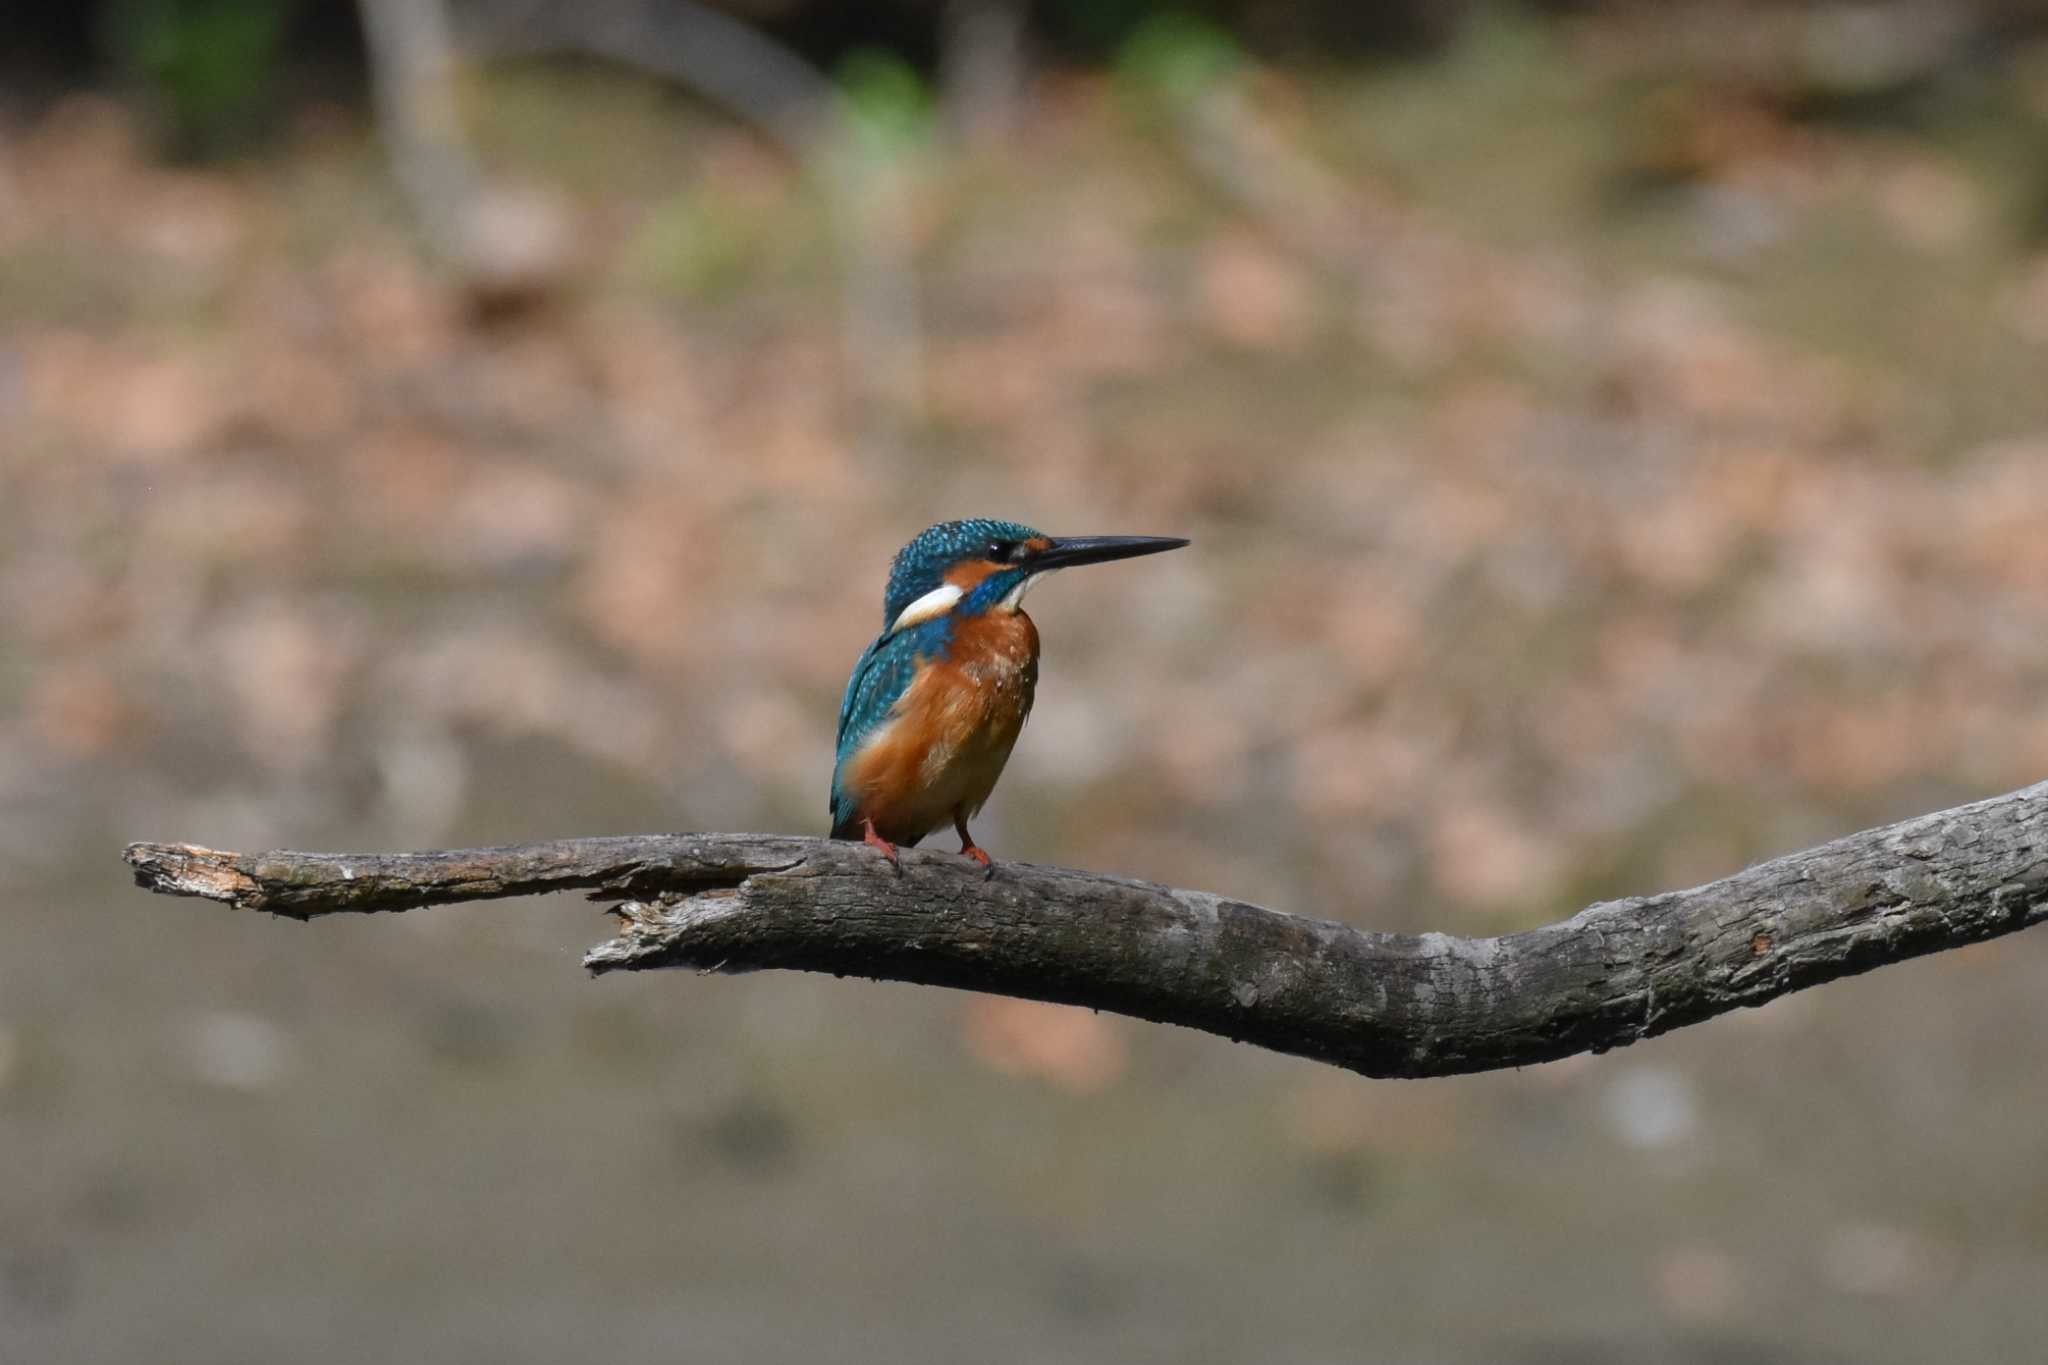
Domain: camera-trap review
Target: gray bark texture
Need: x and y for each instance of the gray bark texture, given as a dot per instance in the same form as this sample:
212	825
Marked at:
1380	1004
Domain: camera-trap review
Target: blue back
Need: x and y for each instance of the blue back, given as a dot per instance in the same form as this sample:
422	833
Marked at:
890	663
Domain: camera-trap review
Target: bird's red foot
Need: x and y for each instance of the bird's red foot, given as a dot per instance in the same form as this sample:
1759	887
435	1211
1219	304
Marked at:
876	841
970	849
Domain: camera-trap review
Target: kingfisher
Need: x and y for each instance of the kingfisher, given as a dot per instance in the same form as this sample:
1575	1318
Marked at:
936	703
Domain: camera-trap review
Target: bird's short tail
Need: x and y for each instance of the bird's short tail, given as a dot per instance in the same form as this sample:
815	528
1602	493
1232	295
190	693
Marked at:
845	816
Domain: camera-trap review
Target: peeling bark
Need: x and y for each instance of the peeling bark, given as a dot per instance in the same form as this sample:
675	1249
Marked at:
1379	1004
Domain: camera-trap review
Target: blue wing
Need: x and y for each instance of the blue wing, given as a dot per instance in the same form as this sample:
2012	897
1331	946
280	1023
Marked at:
878	680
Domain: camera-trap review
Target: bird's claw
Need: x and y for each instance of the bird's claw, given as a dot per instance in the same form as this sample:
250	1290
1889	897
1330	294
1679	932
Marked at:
980	855
887	849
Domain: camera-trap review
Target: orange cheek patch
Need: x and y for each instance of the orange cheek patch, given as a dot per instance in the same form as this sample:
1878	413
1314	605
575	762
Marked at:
969	575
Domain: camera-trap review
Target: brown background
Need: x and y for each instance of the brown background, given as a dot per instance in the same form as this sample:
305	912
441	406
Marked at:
1602	475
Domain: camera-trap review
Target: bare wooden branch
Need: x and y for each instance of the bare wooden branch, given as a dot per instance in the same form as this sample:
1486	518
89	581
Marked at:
1381	1004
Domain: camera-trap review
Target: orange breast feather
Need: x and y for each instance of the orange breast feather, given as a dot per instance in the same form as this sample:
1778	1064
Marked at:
948	736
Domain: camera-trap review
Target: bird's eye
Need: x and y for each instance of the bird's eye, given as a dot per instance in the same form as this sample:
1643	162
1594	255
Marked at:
1002	551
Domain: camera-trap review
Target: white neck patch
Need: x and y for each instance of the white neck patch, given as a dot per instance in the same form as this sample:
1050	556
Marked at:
1015	597
937	602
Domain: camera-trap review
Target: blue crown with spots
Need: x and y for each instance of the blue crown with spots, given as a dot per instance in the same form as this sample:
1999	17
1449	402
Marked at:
921	565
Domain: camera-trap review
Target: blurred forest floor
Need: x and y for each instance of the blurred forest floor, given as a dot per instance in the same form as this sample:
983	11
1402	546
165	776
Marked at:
1604	471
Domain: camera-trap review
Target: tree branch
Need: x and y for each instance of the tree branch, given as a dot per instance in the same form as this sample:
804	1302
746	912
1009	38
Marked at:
1381	1004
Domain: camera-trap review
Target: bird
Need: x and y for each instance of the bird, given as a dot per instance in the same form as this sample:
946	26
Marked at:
936	703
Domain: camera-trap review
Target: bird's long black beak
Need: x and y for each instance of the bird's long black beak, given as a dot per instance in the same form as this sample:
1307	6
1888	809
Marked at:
1067	551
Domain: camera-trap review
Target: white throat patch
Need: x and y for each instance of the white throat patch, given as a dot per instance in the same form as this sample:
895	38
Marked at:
937	602
1015	597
